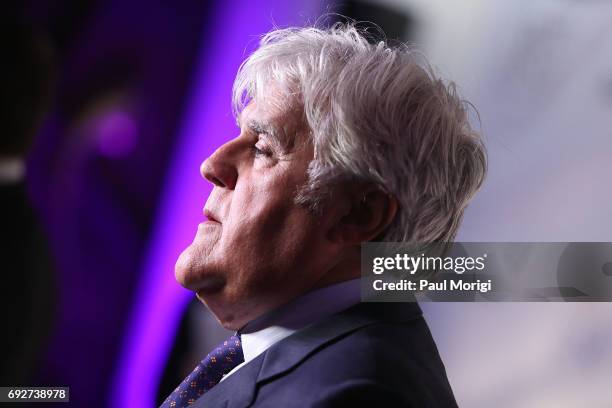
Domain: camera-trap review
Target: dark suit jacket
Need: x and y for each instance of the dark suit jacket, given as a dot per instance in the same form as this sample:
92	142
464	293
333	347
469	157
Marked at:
372	354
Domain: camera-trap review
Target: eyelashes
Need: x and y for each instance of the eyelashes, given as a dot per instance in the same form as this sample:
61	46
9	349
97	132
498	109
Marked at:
261	151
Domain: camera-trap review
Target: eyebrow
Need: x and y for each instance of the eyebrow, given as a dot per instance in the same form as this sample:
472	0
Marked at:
260	127
278	136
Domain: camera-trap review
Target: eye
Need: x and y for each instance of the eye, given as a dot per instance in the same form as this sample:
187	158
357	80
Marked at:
261	150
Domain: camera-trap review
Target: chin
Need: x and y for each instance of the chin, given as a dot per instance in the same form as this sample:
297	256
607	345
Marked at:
184	269
194	276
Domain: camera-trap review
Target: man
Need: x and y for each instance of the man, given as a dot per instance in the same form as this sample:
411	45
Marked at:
341	142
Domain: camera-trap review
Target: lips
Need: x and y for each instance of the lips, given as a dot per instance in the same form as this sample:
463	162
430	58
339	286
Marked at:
210	215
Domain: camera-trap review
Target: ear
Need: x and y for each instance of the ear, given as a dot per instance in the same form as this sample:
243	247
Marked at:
368	213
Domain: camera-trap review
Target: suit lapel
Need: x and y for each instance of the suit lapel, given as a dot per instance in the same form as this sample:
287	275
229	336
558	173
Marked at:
238	390
291	351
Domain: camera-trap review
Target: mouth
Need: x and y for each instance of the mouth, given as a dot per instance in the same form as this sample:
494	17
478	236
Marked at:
210	216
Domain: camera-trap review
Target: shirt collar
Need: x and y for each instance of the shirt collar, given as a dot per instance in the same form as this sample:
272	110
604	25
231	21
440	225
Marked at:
258	335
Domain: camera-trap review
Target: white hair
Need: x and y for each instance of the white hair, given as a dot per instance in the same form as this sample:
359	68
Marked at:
378	114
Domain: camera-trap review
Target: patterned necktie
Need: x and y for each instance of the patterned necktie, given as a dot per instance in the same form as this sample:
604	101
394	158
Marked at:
207	374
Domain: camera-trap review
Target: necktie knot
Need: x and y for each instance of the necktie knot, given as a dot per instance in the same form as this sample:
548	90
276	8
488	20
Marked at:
225	357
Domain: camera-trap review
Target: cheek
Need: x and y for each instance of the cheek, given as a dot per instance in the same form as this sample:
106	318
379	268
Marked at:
261	209
265	230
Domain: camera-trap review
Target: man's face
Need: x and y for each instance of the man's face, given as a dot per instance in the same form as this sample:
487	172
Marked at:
258	249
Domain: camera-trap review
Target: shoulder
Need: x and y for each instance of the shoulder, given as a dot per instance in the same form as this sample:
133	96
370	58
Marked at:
393	364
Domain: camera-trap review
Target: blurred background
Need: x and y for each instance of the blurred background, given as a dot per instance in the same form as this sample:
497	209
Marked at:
111	106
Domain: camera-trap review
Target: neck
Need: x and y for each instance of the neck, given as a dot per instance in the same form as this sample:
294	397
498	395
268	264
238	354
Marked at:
348	268
308	307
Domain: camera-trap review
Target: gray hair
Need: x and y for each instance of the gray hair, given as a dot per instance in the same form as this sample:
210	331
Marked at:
376	113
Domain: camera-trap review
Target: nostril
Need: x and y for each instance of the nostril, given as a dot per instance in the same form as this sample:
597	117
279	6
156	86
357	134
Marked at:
217	182
219	173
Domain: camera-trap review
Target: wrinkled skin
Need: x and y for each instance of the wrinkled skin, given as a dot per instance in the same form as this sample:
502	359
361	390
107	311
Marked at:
260	249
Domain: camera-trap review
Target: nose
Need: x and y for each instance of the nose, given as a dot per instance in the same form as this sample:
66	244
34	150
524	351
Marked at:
219	169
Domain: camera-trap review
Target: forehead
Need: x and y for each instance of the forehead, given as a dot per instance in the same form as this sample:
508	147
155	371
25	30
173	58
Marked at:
274	103
272	110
